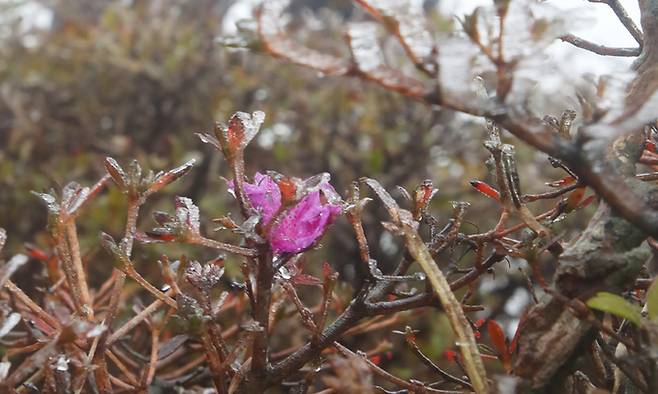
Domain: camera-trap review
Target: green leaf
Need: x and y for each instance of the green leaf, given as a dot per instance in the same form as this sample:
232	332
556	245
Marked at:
652	300
616	305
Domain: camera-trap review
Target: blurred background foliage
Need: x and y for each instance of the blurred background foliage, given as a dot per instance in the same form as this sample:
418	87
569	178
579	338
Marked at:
137	79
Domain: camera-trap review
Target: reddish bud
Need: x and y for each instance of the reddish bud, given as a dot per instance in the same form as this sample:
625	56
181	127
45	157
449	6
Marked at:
422	197
450	355
486	189
36	253
562	182
288	189
160	236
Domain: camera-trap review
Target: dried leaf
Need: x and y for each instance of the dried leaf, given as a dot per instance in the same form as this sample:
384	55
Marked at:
116	172
49	201
187	214
73	197
170	176
210	139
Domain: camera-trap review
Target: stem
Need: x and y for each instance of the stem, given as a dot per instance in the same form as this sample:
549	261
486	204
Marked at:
211	243
130	270
33	306
452	307
150	372
259	362
138	318
78	268
101	372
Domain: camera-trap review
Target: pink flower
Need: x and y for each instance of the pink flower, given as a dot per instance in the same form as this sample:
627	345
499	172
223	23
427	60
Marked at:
302	224
264	195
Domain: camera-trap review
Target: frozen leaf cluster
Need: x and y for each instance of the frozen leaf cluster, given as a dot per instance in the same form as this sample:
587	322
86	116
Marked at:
203	277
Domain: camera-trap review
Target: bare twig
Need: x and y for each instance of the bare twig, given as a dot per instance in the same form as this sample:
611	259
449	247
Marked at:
624	18
599	49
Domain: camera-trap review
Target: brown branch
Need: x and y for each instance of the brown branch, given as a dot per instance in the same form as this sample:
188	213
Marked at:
221	246
138	318
260	348
599	49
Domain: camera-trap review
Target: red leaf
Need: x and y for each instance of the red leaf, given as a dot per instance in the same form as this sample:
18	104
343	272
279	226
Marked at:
586	202
574	198
499	342
36	253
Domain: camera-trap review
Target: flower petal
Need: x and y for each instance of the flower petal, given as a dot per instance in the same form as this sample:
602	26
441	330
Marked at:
303	224
264	195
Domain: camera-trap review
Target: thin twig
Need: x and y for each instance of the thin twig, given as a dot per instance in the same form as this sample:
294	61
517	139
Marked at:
624	18
599	49
411	386
138	318
221	246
